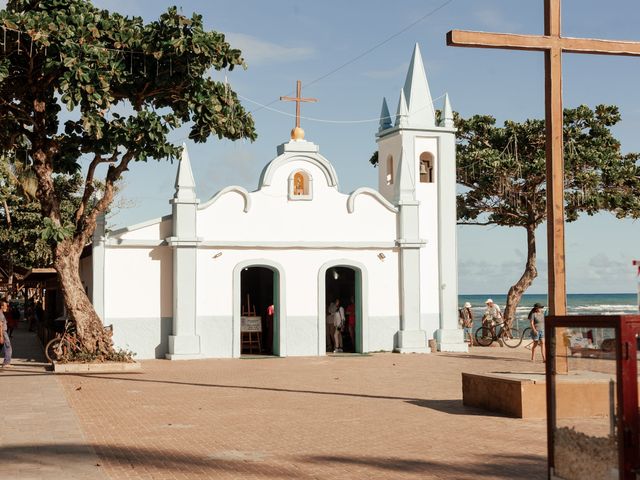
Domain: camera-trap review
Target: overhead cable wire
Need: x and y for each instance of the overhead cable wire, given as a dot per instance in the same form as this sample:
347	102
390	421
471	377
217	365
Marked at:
366	52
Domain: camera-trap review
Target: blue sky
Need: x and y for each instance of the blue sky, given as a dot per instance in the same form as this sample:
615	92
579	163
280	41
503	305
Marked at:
286	40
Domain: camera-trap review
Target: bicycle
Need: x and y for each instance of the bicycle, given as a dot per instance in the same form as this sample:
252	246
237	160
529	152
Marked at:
526	333
510	336
63	344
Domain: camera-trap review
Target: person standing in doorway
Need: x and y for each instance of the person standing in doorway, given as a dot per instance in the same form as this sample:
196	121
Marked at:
4	334
330	327
536	318
351	322
336	313
465	317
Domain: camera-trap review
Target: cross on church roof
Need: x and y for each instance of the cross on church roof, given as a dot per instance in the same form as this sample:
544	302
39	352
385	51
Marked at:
553	45
298	133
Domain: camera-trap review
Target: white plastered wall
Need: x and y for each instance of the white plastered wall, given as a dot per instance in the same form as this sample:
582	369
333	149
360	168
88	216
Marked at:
427	195
273	217
138	297
388	146
86	274
300	236
273	222
304	333
157	229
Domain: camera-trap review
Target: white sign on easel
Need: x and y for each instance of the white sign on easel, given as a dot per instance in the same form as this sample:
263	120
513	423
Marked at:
250	324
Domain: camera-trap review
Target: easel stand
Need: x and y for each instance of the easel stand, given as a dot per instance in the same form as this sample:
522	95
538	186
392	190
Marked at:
250	329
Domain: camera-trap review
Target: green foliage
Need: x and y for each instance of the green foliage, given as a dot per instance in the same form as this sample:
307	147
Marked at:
53	232
126	85
504	169
23	240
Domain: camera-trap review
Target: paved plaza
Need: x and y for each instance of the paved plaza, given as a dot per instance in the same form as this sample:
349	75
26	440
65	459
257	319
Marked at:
383	416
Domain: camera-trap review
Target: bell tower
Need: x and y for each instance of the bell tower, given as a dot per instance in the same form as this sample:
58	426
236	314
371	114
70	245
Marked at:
417	173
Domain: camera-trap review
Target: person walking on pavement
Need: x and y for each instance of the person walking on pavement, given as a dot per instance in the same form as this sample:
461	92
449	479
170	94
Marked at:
536	317
4	334
465	317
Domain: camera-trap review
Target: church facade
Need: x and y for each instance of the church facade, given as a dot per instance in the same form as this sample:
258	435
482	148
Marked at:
254	272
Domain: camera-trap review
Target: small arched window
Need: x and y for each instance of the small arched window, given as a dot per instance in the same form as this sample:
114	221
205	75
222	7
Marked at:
427	168
300	186
389	170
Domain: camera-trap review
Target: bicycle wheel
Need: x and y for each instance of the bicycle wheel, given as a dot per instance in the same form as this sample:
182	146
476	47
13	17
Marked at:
526	337
484	338
511	337
52	350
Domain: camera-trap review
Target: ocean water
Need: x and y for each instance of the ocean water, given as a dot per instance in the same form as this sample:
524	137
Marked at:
577	304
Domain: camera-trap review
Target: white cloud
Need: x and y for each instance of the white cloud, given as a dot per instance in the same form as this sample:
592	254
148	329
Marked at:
256	51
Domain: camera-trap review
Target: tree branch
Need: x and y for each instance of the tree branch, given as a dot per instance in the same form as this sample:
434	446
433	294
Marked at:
113	174
477	223
89	187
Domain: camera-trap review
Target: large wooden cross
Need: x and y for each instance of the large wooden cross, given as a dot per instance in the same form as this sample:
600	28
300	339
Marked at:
298	98
553	45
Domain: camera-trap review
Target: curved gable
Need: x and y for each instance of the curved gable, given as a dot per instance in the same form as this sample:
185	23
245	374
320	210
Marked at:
299	151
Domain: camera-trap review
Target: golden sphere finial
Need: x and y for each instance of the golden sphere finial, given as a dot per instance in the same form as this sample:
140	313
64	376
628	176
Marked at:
297	134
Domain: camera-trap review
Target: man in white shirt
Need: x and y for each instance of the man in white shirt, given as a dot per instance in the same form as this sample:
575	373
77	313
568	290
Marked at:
492	315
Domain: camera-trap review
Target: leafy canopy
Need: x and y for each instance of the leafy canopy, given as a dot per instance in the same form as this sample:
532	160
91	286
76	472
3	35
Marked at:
504	169
25	238
125	85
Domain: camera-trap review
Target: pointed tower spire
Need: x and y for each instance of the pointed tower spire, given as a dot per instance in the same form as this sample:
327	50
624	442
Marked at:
416	89
185	184
447	113
401	113
385	117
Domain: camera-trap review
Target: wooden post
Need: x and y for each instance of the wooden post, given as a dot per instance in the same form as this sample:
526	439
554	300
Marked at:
553	45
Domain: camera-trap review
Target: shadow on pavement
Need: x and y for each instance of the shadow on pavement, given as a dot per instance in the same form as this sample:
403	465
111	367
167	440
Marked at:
454	407
501	466
448	406
259	463
485	357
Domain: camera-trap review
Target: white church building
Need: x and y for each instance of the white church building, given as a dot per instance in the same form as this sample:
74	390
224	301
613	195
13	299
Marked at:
254	272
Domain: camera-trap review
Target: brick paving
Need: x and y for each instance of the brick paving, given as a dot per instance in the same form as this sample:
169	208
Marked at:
384	416
40	436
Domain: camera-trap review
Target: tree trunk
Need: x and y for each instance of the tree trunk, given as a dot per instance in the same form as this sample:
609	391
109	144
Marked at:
7	213
94	338
530	273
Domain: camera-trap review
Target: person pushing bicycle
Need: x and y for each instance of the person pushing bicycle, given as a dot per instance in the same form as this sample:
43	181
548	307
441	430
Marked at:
492	315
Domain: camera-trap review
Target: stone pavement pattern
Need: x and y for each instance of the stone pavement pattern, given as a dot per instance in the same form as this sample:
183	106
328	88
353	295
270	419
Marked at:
384	416
40	437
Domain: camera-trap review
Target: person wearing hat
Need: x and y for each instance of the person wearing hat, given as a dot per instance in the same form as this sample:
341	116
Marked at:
536	318
465	318
492	315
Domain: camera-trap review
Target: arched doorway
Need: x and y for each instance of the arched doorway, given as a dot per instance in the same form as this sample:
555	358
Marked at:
257	304
343	283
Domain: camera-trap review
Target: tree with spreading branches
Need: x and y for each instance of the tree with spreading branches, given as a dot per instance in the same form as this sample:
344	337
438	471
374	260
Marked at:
503	172
85	89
